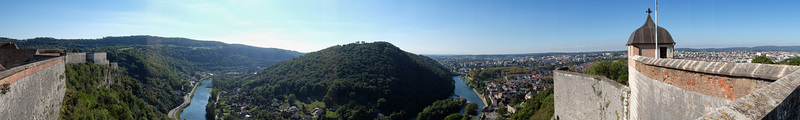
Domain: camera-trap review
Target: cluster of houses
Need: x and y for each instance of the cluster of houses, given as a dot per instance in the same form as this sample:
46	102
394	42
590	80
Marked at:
502	94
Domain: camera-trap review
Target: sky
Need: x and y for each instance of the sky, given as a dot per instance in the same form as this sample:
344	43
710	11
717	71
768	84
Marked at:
417	26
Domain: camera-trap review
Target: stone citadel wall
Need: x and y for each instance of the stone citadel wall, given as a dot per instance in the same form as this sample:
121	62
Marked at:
588	97
687	89
36	90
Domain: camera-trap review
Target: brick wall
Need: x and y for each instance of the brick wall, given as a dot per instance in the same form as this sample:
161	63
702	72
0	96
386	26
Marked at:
715	85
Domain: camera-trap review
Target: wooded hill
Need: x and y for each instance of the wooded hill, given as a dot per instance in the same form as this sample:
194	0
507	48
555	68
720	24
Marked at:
362	78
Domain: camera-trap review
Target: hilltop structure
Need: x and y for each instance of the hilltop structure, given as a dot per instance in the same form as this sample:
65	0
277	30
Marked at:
661	87
32	81
642	41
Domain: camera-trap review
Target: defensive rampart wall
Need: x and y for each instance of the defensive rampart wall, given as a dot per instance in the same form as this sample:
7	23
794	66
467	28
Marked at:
588	97
36	90
687	89
667	89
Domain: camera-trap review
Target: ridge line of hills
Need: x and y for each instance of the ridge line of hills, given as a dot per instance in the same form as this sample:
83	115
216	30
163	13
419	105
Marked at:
162	68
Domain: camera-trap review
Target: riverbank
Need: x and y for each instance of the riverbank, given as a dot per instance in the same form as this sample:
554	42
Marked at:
476	92
482	99
187	99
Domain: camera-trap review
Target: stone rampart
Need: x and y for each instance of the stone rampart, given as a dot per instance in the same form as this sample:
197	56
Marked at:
76	57
589	97
97	58
655	100
687	89
36	90
715	85
779	100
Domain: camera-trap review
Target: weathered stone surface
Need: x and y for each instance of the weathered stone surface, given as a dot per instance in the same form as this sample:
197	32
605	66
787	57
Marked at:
36	96
588	97
76	57
655	100
755	70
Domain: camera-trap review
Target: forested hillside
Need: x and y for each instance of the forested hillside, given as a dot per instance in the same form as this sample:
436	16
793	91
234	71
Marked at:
205	55
361	79
164	66
101	92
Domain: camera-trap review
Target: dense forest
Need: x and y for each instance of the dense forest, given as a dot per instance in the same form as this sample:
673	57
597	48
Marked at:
357	78
442	108
101	92
164	66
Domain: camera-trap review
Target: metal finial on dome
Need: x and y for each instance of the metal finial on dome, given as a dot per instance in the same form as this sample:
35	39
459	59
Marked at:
648	11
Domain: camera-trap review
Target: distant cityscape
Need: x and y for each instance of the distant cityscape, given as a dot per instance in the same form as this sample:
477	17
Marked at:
738	56
502	94
580	61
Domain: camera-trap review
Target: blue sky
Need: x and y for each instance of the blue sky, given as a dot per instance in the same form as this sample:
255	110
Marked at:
418	26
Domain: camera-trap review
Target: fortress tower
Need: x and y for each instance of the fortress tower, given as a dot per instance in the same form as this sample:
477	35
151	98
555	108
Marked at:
642	41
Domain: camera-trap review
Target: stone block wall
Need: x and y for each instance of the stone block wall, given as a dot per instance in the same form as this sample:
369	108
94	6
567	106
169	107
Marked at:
76	57
655	100
37	90
760	91
589	97
97	58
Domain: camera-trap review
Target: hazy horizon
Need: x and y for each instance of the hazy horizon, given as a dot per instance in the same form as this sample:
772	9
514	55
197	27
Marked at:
422	27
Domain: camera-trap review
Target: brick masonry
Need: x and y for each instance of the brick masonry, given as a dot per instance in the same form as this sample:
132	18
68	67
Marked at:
655	100
707	84
778	98
667	89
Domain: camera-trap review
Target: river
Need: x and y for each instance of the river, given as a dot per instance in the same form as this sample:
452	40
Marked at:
197	110
462	90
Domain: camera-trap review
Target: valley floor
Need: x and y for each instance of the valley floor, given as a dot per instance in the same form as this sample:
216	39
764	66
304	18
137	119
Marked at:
186	100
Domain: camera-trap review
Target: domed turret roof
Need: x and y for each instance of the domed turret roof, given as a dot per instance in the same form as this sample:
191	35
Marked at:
644	35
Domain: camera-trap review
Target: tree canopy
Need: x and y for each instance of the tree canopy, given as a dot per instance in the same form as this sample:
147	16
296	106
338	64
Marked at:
762	60
101	92
540	107
441	109
376	75
617	71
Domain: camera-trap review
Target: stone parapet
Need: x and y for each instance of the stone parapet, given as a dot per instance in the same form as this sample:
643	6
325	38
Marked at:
778	100
11	75
754	70
36	91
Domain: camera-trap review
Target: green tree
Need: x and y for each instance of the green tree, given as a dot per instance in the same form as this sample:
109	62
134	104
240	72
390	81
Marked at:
791	61
471	109
795	61
617	71
502	111
466	117
762	60
454	116
540	107
290	99
441	109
